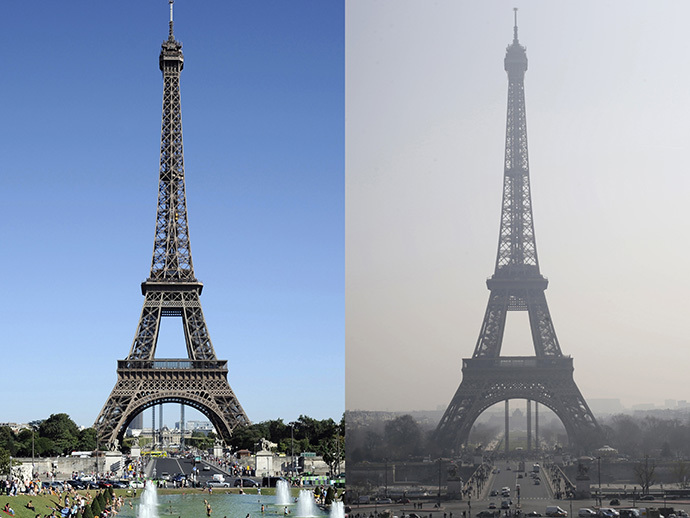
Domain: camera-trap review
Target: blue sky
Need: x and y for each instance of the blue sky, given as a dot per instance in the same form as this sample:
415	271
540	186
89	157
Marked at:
263	121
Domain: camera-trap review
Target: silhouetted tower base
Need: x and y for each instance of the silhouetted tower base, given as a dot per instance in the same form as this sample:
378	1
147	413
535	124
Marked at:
517	285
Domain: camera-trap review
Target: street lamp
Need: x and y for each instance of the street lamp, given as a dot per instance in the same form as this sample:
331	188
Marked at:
599	470
292	443
386	477
33	464
439	482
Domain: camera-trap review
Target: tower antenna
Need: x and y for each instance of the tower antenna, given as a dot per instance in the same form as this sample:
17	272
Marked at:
515	10
171	2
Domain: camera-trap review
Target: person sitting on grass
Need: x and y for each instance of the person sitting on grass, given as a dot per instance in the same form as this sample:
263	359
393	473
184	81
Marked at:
8	509
30	505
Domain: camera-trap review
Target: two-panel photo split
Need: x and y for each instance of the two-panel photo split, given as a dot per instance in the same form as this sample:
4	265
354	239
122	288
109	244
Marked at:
369	328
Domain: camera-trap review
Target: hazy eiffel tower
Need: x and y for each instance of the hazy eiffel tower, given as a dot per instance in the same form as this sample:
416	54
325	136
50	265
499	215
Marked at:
172	290
517	285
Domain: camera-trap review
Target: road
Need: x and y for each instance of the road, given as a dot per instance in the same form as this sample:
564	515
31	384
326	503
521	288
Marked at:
529	490
171	466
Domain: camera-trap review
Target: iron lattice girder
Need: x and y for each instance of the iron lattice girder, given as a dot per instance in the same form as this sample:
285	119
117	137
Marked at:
517	294
172	300
548	381
172	255
142	384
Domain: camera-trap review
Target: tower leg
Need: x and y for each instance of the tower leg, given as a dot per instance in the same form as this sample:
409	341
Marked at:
507	447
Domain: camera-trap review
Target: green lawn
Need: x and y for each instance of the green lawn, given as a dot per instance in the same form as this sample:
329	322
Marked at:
43	504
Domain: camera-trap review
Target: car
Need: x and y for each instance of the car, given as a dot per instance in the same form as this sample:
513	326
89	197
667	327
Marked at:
607	512
492	505
615	501
537	482
533	514
505	504
555	511
384	501
586	512
216	483
246	482
165	476
76	484
136	484
519	475
493	493
647	497
486	514
403	501
102	484
206	467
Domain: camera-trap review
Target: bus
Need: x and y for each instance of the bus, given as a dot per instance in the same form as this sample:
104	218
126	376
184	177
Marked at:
536	468
157	453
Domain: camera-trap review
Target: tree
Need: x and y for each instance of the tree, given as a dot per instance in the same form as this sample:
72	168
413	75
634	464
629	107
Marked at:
88	439
333	452
5	461
644	474
403	437
62	431
96	508
8	440
681	471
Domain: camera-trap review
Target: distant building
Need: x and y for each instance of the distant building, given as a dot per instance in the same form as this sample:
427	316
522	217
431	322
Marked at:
137	423
605	406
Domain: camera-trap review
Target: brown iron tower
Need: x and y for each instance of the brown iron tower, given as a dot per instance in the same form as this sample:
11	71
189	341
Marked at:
172	290
517	285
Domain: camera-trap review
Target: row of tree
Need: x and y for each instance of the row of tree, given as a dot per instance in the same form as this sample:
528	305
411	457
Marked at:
403	438
57	435
324	437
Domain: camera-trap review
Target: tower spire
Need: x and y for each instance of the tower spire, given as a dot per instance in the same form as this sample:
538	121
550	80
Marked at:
171	37
515	27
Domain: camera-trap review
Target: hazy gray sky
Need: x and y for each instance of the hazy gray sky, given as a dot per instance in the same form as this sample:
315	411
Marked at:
608	119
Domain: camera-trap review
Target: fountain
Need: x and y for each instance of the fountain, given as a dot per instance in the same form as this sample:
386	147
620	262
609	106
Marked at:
337	510
306	506
148	508
282	493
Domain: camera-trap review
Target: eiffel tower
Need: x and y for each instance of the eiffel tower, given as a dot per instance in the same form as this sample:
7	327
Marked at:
200	380
517	285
